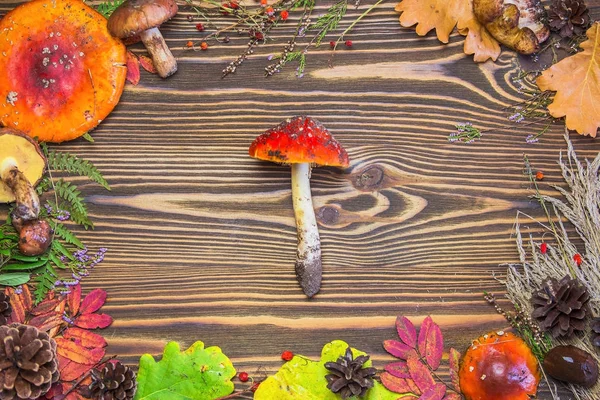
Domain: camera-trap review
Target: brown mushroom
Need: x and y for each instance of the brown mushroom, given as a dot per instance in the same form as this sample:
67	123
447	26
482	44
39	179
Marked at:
35	237
518	24
61	72
22	164
301	142
143	17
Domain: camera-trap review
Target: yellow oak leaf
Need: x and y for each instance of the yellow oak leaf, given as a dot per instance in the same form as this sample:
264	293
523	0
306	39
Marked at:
576	81
443	16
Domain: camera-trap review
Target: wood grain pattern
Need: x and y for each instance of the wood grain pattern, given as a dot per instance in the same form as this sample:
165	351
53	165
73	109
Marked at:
201	237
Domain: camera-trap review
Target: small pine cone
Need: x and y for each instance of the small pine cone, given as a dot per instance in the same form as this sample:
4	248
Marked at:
561	306
114	382
595	326
348	377
568	17
28	364
5	308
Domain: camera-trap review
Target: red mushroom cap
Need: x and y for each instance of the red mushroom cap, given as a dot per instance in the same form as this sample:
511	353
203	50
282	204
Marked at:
61	72
499	366
299	140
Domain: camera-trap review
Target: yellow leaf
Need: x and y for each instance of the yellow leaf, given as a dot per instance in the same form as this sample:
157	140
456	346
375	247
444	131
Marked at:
443	16
576	81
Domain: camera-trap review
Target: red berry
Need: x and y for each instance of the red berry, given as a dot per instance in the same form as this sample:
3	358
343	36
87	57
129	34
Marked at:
577	258
200	27
287	355
539	175
543	248
284	15
204	46
243	376
332	44
348	43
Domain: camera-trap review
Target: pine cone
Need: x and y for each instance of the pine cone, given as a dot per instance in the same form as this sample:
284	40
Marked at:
348	377
561	306
568	17
595	325
28	365
5	308
114	382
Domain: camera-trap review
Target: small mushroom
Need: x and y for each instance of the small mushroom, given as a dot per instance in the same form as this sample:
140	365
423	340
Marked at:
499	366
301	142
35	237
518	24
143	17
571	364
61	71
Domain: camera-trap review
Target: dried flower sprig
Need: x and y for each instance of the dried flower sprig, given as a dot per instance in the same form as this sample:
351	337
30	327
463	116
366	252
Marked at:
465	133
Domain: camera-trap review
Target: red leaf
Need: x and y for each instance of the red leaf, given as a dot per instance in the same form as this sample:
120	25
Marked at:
93	321
420	374
434	347
60	310
406	331
45	306
93	301
435	393
422	342
133	68
74	299
74	370
454	359
77	353
398	349
86	338
147	63
47	322
395	384
453	396
20	303
398	369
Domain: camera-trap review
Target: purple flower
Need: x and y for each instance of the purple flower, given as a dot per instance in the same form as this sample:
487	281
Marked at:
531	139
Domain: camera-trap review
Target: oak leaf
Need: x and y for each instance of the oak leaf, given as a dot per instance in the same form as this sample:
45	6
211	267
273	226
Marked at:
444	16
576	81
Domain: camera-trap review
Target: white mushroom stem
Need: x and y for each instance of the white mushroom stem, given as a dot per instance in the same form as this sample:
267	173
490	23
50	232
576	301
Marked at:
27	201
308	258
163	59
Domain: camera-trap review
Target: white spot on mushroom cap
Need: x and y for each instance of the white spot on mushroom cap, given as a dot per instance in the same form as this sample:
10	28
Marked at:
12	98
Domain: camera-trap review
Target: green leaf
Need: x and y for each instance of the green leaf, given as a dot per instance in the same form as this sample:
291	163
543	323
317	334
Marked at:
44	283
76	204
87	135
303	379
194	374
27	259
21	266
59	248
67	162
64	233
106	8
14	278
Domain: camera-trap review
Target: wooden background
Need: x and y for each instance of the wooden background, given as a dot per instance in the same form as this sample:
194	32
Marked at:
201	237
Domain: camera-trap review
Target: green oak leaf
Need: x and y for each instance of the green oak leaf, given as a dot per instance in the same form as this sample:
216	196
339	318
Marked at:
194	374
304	379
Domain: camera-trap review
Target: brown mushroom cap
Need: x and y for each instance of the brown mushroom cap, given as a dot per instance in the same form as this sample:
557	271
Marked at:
135	16
18	149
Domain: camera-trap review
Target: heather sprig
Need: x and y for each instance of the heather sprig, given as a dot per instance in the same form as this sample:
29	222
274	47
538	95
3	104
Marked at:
465	133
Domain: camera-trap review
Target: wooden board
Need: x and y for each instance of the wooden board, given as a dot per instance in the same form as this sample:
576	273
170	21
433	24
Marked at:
201	238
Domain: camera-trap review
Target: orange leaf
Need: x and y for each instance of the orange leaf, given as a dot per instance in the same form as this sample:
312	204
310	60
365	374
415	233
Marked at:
147	63
133	68
576	81
21	303
87	338
77	353
93	321
45	306
47	322
74	370
74	299
443	16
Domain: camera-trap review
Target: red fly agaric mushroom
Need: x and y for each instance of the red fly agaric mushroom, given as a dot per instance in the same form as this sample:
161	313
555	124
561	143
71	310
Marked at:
301	142
499	366
143	17
61	72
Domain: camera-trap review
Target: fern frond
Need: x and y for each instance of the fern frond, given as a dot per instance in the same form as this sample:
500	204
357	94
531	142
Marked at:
108	7
65	234
75	165
44	282
44	185
75	202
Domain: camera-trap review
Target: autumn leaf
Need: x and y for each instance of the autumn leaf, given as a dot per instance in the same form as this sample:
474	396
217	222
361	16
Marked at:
398	369
197	373
406	331
433	343
576	81
436	392
133	68
396	384
420	374
21	302
398	349
454	359
443	16
147	63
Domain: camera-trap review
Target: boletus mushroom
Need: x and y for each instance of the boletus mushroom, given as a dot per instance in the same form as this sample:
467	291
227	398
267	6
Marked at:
61	71
302	142
518	24
499	366
22	164
143	17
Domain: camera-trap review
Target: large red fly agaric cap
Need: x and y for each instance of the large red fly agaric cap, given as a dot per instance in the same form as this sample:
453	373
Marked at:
61	72
499	366
299	140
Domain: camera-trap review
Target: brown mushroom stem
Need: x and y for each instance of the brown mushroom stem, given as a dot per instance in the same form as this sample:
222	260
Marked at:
27	201
163	59
308	259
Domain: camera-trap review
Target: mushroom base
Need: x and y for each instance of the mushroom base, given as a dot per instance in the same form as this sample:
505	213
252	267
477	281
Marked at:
163	59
